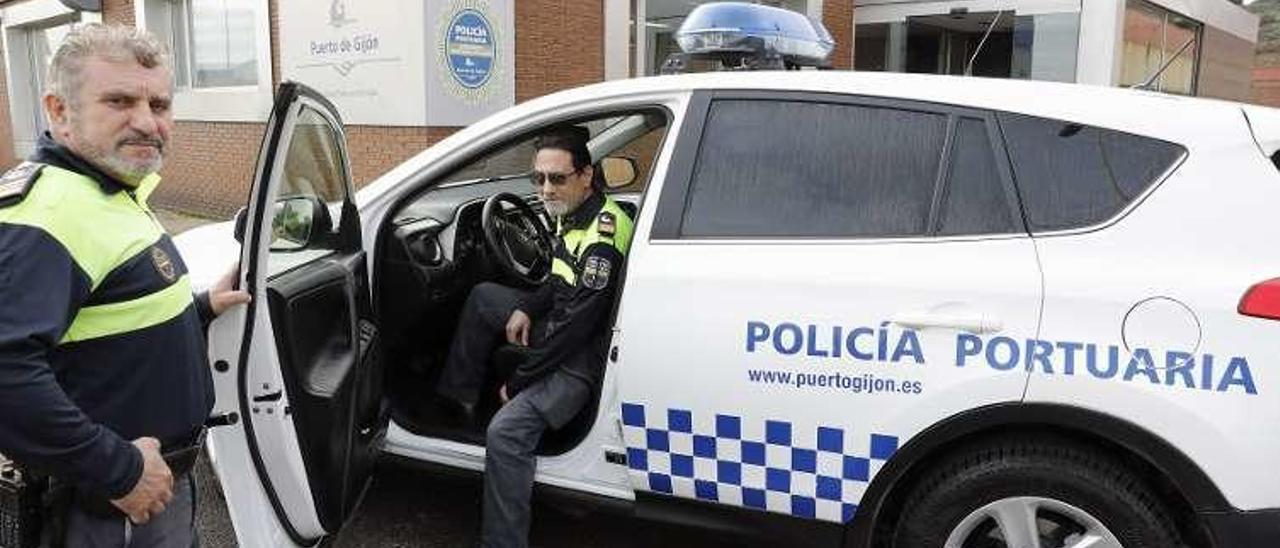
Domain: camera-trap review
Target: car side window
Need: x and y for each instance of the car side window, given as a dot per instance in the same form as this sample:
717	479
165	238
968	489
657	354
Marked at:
1071	175
642	152
307	211
768	168
635	136
974	200
510	160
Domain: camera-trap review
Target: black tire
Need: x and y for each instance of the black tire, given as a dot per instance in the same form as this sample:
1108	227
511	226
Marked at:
1043	466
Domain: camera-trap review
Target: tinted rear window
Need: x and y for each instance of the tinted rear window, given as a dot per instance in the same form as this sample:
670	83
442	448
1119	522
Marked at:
974	200
809	169
1070	175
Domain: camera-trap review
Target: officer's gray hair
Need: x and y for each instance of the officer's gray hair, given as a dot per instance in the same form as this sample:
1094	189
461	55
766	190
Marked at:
110	42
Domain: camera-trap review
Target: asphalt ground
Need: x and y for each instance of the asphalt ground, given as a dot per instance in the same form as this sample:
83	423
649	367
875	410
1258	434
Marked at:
408	507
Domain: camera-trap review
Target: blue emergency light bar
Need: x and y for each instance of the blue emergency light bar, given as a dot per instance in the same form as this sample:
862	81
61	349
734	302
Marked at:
734	31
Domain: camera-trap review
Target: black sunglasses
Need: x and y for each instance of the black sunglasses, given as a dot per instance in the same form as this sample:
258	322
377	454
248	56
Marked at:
538	178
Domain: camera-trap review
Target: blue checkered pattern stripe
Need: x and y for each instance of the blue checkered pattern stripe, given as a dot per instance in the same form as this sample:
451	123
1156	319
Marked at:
776	471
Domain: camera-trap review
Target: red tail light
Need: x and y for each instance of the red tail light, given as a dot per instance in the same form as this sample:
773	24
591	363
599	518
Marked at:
1262	300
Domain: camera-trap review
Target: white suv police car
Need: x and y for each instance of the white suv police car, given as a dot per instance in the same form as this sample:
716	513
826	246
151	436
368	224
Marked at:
874	309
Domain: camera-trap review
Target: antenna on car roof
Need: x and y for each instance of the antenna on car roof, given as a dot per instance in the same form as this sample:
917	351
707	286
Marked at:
1152	79
968	68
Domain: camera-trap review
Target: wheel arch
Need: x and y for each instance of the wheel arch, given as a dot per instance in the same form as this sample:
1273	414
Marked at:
1172	473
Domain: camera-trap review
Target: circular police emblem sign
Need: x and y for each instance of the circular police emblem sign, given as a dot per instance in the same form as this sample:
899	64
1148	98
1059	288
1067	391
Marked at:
470	48
471	55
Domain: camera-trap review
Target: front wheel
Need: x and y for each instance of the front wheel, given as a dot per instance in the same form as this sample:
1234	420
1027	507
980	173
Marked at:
1033	492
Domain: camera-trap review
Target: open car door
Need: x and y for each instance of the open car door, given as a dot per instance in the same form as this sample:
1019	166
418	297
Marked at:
304	382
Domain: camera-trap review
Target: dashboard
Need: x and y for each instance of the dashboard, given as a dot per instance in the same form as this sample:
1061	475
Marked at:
439	239
437	248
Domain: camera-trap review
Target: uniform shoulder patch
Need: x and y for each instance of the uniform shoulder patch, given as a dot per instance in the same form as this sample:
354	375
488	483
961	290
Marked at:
607	224
17	182
596	271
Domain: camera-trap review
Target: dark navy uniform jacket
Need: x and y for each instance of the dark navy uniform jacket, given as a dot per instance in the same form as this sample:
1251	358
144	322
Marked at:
101	341
574	305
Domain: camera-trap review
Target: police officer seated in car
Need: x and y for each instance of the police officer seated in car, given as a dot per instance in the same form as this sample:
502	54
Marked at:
564	324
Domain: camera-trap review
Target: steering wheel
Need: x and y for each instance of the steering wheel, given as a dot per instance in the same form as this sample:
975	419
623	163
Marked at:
520	245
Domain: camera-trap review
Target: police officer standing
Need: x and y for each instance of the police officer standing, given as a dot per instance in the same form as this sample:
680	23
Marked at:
569	338
104	382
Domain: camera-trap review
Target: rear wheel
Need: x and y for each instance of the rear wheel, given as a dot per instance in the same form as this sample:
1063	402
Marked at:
1033	492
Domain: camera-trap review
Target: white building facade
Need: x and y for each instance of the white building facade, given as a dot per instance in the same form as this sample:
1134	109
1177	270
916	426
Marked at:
1205	46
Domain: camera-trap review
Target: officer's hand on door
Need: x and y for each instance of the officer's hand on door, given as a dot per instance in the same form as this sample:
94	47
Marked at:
154	489
224	294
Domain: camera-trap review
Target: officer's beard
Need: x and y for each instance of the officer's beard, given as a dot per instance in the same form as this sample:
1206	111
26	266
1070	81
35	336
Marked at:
563	206
556	208
114	162
132	171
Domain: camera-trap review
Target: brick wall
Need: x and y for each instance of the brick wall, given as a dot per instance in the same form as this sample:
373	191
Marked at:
1266	86
118	11
837	15
1226	62
374	150
210	168
1264	79
559	44
216	160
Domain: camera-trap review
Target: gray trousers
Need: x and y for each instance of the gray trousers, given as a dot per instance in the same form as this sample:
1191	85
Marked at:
173	528
481	328
514	432
509	462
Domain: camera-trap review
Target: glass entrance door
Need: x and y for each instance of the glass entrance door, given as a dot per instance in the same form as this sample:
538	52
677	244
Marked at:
1032	45
947	44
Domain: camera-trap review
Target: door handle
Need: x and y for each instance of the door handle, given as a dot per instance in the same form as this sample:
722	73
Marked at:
971	322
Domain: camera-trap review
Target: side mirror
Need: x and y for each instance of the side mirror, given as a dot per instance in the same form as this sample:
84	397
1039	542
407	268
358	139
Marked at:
618	171
242	217
297	221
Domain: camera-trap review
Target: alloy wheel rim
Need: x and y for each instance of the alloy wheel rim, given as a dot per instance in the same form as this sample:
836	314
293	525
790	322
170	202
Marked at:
1031	522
